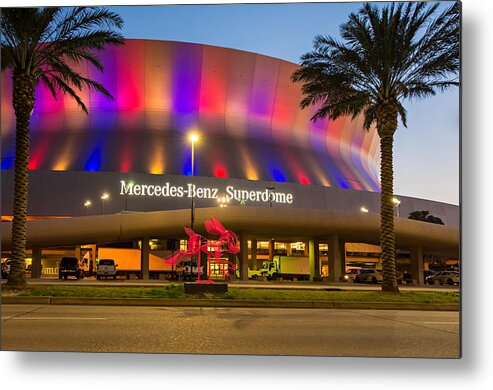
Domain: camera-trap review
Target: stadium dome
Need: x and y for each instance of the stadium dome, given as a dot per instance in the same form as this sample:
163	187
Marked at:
244	106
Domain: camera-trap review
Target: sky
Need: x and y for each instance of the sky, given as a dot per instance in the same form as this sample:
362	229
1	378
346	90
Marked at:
426	152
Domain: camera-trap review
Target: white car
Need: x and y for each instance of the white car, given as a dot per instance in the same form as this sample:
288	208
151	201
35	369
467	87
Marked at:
351	274
445	277
369	276
363	275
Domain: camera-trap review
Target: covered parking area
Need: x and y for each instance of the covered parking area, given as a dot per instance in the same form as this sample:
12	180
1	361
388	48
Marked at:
334	228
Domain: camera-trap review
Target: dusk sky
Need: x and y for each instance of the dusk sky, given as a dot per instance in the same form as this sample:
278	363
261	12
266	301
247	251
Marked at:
426	152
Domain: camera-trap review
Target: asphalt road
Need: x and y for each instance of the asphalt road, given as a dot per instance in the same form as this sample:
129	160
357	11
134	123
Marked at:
231	331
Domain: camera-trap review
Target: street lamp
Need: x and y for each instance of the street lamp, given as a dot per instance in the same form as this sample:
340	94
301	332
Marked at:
270	189
363	209
103	198
87	203
397	203
193	137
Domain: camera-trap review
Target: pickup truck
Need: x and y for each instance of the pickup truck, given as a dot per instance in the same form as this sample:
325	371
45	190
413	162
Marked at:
106	269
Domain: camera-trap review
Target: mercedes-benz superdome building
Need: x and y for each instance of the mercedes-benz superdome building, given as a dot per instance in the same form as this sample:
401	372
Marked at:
292	187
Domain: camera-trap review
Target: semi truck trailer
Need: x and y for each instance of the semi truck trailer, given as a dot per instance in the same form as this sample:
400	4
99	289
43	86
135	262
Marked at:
128	263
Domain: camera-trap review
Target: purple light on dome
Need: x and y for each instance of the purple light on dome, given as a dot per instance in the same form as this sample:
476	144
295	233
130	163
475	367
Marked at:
187	70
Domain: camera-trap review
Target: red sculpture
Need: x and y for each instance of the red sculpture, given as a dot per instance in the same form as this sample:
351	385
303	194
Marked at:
226	243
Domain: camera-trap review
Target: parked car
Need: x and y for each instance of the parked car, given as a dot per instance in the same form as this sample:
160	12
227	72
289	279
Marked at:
363	275
369	275
70	266
445	277
428	274
183	270
407	278
6	269
351	274
106	269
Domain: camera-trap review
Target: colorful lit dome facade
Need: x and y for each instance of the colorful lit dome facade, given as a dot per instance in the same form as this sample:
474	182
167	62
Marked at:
243	105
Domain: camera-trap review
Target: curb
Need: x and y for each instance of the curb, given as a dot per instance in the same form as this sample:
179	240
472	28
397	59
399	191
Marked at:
229	303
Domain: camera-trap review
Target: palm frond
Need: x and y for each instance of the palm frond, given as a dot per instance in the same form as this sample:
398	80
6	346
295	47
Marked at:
50	43
386	55
56	83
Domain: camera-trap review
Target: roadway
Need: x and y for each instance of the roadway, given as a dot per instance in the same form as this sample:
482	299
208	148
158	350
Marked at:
324	332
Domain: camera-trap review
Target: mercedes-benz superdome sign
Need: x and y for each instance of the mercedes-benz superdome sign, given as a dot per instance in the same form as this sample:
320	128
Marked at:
191	190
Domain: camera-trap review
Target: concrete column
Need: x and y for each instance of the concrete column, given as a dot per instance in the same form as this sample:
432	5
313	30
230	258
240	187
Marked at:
342	248
334	257
314	255
144	259
77	252
92	259
289	250
271	250
417	265
253	254
306	251
233	260
243	256
36	264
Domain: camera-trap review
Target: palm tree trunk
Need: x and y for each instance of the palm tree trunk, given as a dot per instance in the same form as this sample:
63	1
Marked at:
386	127
387	236
23	102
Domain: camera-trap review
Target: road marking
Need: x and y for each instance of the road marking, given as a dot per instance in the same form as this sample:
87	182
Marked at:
59	318
442	322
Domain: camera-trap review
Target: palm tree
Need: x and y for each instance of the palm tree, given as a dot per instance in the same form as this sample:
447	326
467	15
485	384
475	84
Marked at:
425	216
389	54
44	45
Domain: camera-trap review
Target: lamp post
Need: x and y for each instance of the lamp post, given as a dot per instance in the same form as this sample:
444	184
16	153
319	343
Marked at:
270	189
103	198
397	203
87	203
193	137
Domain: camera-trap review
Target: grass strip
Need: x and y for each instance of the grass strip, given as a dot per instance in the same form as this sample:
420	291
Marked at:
177	292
